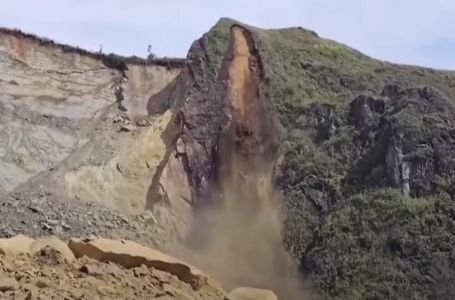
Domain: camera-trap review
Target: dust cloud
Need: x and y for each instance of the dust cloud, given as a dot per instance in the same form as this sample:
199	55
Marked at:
240	241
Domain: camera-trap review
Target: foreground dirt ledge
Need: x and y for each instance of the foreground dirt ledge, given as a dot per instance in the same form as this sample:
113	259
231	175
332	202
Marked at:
127	254
130	254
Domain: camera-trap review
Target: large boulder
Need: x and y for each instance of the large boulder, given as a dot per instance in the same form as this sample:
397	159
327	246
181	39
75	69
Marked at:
23	245
130	254
19	244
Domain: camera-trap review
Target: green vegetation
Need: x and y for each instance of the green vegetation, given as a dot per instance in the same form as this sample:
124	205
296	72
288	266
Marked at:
378	244
121	63
383	245
115	61
111	60
356	235
215	42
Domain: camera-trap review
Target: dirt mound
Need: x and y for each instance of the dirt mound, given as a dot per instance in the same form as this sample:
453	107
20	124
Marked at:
42	271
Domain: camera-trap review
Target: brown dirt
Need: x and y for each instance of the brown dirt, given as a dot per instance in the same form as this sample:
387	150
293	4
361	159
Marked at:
24	277
243	90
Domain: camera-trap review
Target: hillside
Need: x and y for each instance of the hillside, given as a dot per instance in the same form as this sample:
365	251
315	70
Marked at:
366	159
276	136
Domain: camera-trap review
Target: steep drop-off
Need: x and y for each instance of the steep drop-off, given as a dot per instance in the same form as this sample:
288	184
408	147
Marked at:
78	138
62	110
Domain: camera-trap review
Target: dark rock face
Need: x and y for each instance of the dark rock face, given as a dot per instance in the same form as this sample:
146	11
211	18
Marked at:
397	169
365	113
324	120
401	139
410	136
196	96
318	197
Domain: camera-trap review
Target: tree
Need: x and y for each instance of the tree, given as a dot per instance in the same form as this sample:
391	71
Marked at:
151	55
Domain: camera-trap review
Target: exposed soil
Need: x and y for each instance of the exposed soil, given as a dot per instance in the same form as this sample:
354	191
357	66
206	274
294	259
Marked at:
45	278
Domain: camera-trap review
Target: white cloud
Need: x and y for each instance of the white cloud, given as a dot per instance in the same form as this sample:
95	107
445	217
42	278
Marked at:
403	31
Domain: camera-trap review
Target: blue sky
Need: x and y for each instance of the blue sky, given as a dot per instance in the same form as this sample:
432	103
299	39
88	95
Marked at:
403	31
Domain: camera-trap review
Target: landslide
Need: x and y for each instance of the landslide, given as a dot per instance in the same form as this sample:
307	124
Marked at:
365	165
239	235
360	151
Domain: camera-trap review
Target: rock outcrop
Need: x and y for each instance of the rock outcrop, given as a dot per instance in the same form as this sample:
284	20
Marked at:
406	129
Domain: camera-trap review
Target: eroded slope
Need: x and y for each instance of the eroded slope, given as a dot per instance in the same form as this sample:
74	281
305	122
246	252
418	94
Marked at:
48	103
63	109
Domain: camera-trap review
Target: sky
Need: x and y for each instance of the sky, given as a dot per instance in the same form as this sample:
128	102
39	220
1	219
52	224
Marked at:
418	32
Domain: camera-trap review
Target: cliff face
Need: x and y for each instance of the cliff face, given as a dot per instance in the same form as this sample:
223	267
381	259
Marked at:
47	99
60	103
